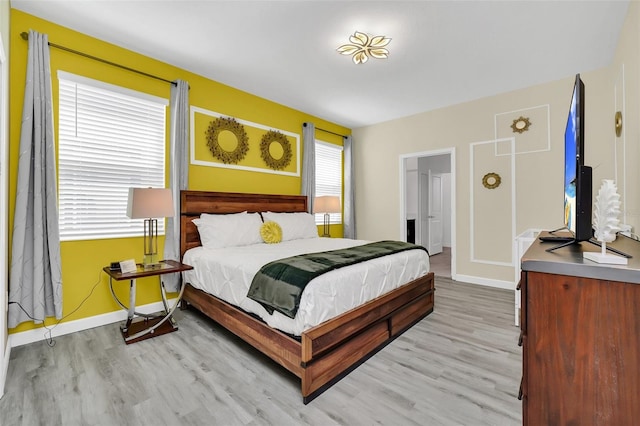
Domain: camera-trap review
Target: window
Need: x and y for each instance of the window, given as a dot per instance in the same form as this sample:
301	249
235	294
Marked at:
110	139
328	176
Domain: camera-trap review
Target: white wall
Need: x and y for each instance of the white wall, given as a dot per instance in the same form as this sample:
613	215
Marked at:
435	163
537	177
625	82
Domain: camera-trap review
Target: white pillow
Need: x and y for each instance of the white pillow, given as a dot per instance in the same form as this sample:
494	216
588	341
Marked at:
214	217
229	230
295	226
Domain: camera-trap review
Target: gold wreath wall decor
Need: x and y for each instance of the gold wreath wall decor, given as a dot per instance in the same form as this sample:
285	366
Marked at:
618	123
273	136
219	125
491	180
521	124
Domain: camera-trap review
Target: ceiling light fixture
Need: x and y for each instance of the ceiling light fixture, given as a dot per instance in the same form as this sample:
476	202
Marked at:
364	46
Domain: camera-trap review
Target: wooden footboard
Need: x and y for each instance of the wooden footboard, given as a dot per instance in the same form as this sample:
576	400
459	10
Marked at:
278	346
335	347
328	351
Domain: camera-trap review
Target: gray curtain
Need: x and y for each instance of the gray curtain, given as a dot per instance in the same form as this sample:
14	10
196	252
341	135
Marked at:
349	220
178	173
35	278
309	163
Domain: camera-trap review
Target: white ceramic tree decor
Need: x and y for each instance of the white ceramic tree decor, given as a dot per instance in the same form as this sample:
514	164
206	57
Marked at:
605	222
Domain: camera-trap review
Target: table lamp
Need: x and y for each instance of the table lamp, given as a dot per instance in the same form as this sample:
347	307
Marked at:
326	204
149	204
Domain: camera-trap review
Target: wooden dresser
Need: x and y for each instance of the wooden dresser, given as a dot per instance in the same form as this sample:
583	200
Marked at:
580	337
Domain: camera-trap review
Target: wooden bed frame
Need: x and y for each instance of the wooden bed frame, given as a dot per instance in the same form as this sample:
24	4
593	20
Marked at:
327	352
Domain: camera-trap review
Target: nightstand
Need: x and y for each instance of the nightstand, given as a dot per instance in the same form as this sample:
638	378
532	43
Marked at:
141	326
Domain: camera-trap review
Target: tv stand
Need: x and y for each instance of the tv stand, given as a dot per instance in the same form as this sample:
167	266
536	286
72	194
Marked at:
565	244
592	241
559	229
616	251
580	338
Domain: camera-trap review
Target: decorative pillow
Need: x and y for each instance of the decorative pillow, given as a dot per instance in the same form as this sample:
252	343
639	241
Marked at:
229	230
271	232
295	226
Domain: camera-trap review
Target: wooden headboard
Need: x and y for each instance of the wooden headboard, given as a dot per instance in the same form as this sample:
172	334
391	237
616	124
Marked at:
193	203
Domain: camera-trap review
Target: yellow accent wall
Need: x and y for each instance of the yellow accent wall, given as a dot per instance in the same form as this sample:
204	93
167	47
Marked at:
82	261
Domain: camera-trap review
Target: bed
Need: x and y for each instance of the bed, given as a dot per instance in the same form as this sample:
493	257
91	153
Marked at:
324	353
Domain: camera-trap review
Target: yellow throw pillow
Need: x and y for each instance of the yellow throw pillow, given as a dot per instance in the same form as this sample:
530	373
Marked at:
271	232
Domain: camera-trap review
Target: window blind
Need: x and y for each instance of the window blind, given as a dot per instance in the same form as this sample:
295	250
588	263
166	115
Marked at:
109	140
328	176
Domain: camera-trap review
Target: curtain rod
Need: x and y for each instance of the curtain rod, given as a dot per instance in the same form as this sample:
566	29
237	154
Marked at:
326	131
25	36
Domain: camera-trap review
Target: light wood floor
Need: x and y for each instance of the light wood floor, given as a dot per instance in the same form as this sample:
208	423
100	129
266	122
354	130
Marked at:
440	263
459	366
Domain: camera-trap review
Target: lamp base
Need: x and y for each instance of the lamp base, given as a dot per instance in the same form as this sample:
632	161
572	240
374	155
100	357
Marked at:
151	261
326	226
150	244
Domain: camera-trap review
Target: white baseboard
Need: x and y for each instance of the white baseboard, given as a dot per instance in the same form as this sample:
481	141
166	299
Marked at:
507	285
4	368
37	334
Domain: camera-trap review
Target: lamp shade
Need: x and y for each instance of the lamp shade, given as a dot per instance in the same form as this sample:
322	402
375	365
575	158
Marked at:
146	203
326	204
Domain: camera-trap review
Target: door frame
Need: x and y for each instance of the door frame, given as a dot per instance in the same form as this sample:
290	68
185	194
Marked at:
403	202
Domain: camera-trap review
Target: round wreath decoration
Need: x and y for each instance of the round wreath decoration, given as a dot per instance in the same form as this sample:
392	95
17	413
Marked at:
221	124
273	136
491	180
521	124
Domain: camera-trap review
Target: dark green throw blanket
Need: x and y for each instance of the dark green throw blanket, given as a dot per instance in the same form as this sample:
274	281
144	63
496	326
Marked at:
279	285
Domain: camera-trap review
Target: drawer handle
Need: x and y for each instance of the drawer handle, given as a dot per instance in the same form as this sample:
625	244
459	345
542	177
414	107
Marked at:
521	338
520	392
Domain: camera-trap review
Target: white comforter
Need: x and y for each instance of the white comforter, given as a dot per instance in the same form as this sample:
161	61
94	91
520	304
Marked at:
227	273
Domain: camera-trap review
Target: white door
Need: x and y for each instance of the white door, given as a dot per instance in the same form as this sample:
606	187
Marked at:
436	231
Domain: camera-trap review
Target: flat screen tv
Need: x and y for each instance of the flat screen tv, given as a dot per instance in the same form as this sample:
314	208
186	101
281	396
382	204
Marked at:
577	176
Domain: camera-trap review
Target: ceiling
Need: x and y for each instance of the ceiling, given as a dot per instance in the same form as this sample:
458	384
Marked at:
441	53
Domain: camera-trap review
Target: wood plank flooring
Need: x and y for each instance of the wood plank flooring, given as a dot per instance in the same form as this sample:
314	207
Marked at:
440	263
459	366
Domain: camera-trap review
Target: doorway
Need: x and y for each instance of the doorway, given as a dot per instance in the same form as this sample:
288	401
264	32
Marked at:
427	210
